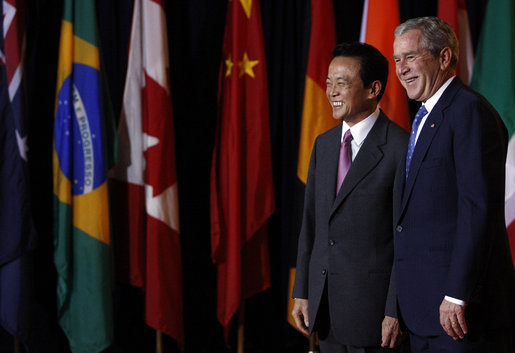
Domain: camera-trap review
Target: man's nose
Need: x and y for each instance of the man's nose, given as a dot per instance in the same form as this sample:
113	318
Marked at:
401	67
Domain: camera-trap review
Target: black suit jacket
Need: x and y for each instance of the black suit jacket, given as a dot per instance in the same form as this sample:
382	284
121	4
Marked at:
451	236
347	240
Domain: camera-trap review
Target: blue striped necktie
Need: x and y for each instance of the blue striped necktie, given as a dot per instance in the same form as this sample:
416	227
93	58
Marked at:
412	139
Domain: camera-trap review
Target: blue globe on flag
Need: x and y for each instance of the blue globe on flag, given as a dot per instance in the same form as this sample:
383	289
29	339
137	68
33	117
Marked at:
78	130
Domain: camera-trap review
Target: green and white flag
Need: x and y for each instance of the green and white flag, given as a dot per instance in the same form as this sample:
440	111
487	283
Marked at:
494	78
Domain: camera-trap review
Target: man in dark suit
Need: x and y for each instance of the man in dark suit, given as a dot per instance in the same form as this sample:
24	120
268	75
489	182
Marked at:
453	269
345	250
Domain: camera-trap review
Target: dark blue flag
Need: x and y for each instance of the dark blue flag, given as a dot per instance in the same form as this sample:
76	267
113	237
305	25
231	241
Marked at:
17	233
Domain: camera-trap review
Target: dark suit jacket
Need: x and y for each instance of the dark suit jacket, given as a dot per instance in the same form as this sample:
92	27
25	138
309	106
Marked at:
347	240
450	236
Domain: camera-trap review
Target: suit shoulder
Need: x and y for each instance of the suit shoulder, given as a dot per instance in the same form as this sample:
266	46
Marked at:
329	134
463	97
472	104
334	130
467	94
397	133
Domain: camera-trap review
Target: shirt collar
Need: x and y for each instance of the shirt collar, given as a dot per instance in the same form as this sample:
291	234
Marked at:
360	130
431	102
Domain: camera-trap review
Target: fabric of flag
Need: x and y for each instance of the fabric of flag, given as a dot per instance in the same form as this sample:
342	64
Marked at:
454	12
144	183
14	38
317	114
242	195
15	206
82	252
494	77
17	232
380	18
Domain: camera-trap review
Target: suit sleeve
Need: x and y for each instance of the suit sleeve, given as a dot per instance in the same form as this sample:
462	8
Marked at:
307	232
391	299
479	148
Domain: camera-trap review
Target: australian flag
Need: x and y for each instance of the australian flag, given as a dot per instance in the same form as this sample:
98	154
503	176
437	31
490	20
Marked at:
17	232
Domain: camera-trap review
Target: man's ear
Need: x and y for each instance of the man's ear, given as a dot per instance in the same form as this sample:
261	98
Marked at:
375	88
445	58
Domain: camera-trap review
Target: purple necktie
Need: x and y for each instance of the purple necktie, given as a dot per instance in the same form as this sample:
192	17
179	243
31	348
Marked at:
345	159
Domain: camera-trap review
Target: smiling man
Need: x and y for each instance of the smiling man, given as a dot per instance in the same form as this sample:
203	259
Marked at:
342	284
453	269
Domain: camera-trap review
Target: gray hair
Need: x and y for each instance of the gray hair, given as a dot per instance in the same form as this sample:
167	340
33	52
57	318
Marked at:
436	35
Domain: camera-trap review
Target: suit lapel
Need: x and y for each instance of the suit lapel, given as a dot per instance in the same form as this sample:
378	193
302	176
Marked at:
429	130
425	138
367	158
331	164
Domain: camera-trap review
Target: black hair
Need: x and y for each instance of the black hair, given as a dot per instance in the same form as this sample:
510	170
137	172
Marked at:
373	64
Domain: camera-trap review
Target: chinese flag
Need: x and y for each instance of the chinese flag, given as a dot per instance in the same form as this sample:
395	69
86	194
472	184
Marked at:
242	197
380	18
144	183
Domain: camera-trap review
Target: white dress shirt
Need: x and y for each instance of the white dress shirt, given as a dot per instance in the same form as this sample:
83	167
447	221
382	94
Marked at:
430	104
360	131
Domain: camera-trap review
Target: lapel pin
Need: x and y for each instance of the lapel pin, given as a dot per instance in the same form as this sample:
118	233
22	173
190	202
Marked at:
433	125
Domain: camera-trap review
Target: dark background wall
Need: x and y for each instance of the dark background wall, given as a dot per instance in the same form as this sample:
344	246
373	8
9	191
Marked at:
195	32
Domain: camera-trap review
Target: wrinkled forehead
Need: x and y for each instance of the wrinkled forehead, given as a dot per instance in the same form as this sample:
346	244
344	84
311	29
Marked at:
408	42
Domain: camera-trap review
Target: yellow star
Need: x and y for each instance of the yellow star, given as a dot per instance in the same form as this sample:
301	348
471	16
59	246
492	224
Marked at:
247	6
229	64
246	65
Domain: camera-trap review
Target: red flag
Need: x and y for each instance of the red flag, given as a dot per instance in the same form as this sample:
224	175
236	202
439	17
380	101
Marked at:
147	221
454	12
378	31
317	113
242	197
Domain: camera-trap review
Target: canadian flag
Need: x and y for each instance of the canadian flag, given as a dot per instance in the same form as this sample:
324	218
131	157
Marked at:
144	184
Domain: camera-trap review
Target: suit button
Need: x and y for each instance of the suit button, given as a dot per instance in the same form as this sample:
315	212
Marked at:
331	242
398	228
324	271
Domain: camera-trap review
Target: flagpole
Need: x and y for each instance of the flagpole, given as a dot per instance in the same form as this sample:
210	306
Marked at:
159	342
313	343
241	326
241	311
16	346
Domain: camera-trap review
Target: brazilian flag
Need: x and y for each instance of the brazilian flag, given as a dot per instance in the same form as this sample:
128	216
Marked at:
82	251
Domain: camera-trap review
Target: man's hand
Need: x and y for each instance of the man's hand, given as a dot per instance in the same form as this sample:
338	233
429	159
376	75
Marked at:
390	332
452	319
300	314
